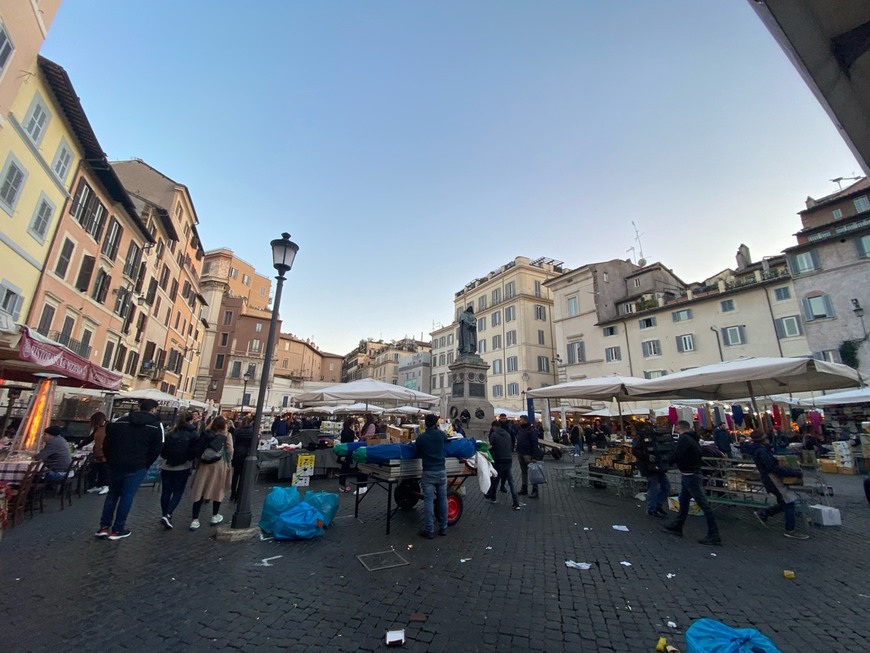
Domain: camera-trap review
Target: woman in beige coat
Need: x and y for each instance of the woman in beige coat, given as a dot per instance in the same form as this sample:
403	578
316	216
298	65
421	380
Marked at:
212	479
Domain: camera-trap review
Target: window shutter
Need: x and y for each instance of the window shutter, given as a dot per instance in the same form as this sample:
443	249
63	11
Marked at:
742	331
792	265
808	310
84	278
829	306
815	256
780	329
680	348
645	347
862	251
800	326
725	339
16	309
581	352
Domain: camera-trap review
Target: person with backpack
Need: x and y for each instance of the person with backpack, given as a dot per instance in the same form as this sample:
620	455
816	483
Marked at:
575	439
179	450
213	471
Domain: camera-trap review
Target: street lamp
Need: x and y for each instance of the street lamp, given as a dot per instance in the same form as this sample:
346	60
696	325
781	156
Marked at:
858	310
283	253
245	377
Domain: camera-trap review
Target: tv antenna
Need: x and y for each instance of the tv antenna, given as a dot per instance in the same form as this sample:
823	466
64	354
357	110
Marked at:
839	180
641	261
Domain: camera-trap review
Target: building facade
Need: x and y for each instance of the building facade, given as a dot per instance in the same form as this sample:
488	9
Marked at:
415	371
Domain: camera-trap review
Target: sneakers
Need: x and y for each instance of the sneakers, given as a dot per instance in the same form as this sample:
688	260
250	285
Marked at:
673	530
104	490
760	516
427	535
534	495
490	497
442	532
194	524
103	533
217	519
167	522
516	506
343	488
94	490
119	535
711	540
796	536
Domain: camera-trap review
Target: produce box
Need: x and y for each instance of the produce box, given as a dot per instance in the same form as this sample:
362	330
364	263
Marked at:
849	471
828	466
825	515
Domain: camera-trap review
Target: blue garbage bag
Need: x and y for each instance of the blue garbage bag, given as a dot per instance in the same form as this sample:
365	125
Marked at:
279	500
711	636
302	522
383	452
460	448
325	502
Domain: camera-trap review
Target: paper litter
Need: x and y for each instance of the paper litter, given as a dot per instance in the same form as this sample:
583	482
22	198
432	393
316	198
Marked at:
625	563
578	565
620	527
672	624
672	576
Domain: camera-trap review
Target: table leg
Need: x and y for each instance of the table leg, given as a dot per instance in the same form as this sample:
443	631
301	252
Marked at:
389	504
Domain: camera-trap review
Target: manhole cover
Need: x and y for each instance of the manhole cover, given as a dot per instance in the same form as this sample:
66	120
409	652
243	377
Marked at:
381	560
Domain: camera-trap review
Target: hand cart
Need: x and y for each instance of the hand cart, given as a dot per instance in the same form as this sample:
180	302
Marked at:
401	480
556	449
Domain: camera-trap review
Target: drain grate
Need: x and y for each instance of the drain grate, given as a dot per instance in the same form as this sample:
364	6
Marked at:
381	560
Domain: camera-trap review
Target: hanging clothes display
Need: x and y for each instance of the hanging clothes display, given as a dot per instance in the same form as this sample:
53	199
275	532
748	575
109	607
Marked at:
777	418
737	414
816	422
672	415
702	418
717	416
729	421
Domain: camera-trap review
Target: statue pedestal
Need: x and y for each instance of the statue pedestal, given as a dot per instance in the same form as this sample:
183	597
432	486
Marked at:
468	396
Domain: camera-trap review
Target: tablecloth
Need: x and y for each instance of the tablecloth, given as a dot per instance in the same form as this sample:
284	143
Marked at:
13	472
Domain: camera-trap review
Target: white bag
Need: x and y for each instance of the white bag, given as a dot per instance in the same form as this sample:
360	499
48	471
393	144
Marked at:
485	471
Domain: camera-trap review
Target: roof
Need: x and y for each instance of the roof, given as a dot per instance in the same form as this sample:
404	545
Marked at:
66	97
853	189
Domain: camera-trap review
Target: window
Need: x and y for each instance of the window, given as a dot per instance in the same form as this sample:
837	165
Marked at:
627	308
481	303
647	322
782	294
537	288
173	292
236	370
637	283
734	335
496	366
862	204
612	354
576	352
481	324
837	214
513	389
510	313
258	327
481	346
572	308
246	280
495	318
496	296
41	218
36	119
10	299
651	348
496	342
12	177
498	390
654	374
541	338
449	358
449	338
255	345
726	306
788	327
234	274
83	281
228	318
225	339
46	319
510	289
863	245
818	307
540	312
682	316
510	338
113	239
543	364
62	161
512	364
609	331
134	258
88	210
6	49
685	343
830	355
442	360
803	262
219	361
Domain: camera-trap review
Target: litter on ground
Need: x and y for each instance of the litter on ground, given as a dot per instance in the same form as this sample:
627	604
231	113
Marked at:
578	565
620	527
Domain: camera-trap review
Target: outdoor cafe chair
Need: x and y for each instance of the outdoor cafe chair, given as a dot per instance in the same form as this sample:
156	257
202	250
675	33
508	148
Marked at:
21	496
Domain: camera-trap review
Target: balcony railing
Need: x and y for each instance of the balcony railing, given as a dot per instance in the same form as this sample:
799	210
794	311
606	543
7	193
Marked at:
75	346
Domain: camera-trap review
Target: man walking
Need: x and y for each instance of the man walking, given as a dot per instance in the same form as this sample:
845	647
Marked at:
771	473
653	469
430	448
502	456
687	457
132	444
528	451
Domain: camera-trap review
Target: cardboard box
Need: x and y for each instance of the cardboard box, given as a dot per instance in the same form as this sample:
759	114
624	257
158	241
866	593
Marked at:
825	515
378	438
828	466
849	471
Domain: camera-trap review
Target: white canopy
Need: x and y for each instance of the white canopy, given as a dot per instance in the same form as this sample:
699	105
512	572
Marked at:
357	408
150	393
512	414
406	410
599	387
859	396
367	390
606	412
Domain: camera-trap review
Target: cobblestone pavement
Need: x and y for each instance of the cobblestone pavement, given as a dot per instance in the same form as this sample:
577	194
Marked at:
497	582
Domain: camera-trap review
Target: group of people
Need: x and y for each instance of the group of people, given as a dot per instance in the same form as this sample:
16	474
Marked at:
595	434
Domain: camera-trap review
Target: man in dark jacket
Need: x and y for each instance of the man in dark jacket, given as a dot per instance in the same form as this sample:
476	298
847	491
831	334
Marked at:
722	439
771	472
528	451
502	456
433	482
687	457
55	454
132	444
653	469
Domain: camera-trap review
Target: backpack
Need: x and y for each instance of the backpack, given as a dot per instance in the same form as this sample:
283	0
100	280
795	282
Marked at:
176	448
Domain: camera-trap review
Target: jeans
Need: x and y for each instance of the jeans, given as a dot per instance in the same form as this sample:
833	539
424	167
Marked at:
692	487
658	488
503	467
98	474
54	477
782	506
434	485
122	488
578	447
197	506
173	482
346	466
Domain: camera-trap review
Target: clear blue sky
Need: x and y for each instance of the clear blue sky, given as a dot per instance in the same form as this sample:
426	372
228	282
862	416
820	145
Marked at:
412	146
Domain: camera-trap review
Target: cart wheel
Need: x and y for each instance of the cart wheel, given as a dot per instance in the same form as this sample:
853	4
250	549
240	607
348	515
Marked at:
557	453
406	494
454	508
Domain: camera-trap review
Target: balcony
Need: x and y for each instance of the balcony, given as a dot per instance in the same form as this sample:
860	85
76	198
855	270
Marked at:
75	346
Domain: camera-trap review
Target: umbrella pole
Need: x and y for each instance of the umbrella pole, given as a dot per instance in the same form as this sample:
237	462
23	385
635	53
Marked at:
754	405
619	408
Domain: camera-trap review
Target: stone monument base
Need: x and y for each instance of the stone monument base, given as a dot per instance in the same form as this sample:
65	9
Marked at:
468	402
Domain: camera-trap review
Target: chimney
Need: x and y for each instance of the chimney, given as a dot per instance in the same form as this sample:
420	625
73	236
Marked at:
743	257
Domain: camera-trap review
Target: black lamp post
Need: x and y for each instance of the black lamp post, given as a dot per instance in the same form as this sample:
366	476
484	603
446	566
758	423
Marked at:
283	252
245	377
859	313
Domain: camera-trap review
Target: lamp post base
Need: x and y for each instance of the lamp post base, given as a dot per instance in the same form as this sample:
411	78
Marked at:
236	534
242	516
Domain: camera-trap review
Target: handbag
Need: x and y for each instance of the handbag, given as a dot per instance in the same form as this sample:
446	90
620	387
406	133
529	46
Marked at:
213	451
536	474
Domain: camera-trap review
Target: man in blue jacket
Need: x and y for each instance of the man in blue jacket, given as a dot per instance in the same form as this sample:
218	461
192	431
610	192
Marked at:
430	448
771	472
528	451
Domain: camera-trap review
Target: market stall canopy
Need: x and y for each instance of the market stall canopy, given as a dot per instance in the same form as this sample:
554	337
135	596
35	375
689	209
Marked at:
357	408
626	412
150	393
860	396
367	390
599	387
406	410
753	377
24	354
512	414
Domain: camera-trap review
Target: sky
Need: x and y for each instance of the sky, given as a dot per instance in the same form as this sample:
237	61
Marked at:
410	147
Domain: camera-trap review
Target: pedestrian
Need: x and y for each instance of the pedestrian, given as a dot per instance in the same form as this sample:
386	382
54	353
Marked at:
132	444
528	451
771	475
98	472
279	427
55	455
589	437
197	421
179	450
369	428
687	457
347	435
430	448
722	440
575	439
502	456
457	428
867	489
243	439
654	469
213	471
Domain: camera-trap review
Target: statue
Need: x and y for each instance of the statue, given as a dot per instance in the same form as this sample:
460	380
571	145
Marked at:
467	332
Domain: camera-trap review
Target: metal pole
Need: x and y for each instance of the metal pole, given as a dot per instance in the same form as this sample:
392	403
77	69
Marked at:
242	516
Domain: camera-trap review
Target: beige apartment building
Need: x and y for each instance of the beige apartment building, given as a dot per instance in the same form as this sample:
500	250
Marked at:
513	307
388	360
359	362
443	354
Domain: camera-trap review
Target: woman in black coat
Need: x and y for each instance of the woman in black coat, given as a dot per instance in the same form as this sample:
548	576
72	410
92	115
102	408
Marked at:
347	435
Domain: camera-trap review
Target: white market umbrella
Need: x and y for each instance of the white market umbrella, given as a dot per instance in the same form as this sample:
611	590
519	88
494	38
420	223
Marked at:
367	390
859	396
606	412
150	393
406	410
357	408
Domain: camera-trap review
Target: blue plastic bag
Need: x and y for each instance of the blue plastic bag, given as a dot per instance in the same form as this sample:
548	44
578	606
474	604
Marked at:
279	500
325	502
711	636
460	448
383	452
302	522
